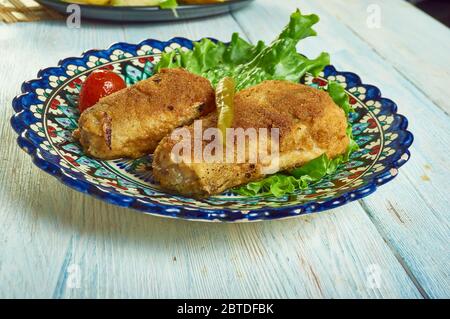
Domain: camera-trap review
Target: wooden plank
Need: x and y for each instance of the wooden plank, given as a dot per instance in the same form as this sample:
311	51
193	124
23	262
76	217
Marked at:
419	235
415	220
412	214
119	253
415	43
34	233
123	254
423	199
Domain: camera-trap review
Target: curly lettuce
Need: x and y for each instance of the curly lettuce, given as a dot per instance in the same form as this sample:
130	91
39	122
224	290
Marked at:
251	64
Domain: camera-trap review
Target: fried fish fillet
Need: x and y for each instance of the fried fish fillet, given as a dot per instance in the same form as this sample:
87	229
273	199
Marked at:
132	121
309	122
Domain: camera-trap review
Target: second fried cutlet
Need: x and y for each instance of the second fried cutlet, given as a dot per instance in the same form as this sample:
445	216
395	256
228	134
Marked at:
309	122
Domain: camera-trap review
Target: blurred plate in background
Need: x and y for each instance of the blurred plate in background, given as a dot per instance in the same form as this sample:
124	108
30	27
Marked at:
147	13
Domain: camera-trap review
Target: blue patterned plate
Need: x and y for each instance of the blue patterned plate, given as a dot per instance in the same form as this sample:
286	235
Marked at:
46	114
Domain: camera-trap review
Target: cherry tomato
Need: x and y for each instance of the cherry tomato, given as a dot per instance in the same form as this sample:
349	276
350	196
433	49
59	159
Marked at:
98	84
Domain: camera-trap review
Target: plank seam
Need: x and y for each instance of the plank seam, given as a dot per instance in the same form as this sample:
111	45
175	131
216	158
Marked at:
62	277
374	50
423	198
394	251
382	234
241	27
415	86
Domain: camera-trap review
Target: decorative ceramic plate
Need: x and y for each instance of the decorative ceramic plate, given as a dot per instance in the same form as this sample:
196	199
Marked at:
46	115
148	13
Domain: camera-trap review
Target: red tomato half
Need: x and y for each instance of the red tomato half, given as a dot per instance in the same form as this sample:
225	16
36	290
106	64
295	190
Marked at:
98	84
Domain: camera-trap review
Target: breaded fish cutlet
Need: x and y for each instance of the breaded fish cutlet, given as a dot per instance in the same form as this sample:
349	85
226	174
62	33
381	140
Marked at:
309	122
132	121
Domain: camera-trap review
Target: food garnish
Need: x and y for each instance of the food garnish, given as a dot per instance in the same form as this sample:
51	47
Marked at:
99	84
225	105
250	64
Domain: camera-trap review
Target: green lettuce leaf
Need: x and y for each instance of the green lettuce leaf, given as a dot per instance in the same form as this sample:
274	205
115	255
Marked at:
337	93
286	183
169	4
210	59
250	65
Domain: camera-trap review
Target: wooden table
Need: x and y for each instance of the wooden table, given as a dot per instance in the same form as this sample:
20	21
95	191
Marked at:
56	242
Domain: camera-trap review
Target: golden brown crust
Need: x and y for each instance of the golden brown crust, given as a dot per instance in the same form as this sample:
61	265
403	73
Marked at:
310	124
131	122
286	105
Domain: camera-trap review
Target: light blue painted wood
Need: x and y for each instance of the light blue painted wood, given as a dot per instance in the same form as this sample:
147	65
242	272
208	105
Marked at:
55	242
413	42
422	198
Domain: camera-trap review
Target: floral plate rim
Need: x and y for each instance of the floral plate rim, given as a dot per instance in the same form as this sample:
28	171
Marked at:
32	147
